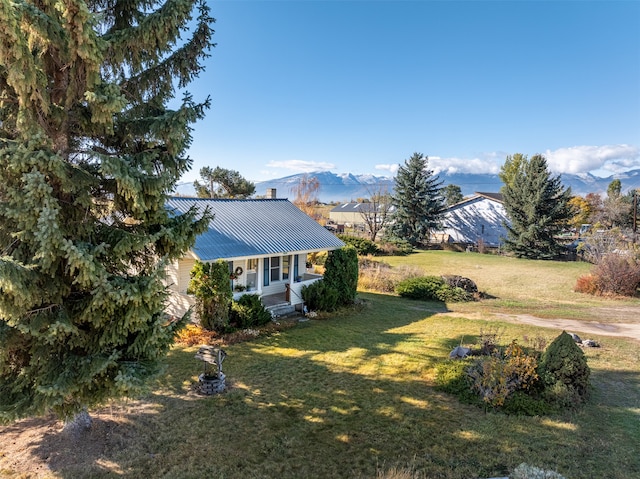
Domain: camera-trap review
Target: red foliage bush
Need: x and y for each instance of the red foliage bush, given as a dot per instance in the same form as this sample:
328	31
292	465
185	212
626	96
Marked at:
587	284
614	274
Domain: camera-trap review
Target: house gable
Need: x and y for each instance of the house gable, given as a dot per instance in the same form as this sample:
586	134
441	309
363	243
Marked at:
478	218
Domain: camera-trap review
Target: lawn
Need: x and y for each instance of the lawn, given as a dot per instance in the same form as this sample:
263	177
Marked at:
352	396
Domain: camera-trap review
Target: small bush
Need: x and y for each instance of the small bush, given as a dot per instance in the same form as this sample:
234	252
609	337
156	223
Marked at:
363	246
248	312
587	284
320	296
617	274
193	334
379	276
431	288
452	377
564	372
395	247
426	288
496	378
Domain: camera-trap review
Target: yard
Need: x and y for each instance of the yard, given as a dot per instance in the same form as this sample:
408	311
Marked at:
352	396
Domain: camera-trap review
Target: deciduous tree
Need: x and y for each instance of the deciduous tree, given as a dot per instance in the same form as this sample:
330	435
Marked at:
376	211
306	194
89	151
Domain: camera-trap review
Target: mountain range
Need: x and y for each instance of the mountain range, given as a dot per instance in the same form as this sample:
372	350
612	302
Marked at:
347	187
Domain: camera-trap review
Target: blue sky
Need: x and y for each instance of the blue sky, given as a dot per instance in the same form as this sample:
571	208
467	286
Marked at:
358	86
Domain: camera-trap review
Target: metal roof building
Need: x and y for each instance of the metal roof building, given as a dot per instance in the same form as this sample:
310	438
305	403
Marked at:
254	228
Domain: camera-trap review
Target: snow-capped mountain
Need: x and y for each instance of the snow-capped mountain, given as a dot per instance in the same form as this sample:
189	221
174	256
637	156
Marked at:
346	187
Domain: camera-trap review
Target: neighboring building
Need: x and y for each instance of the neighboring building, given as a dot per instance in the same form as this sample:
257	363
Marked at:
350	214
479	218
265	242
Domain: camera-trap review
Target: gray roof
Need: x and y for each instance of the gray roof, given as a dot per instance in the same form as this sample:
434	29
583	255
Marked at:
252	228
358	208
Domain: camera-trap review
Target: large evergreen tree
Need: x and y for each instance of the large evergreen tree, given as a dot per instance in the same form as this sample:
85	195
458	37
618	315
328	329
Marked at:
223	183
89	151
538	206
418	199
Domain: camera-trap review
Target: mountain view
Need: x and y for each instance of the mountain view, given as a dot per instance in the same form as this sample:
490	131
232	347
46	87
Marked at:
346	187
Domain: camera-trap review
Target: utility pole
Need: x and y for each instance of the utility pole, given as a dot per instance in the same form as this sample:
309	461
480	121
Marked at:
635	213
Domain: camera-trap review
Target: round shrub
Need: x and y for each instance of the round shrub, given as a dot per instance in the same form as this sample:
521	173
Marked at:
318	296
564	371
248	311
363	246
426	288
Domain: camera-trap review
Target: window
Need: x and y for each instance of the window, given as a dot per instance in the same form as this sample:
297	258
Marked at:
252	274
275	268
286	266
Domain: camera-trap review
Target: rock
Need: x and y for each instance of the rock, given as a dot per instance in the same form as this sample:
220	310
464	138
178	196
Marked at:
590	343
459	352
461	282
575	337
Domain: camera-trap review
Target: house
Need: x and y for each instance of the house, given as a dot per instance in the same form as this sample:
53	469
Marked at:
265	243
352	214
477	219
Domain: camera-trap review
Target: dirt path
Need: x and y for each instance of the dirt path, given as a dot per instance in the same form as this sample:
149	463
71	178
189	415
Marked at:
626	330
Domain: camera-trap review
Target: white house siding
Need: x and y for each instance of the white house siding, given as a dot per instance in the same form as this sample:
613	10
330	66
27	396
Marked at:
179	303
479	219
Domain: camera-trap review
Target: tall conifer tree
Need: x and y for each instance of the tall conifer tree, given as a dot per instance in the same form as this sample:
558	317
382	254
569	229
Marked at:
89	151
418	199
538	206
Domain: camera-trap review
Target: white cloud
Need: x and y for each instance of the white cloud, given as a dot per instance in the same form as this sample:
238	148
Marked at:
301	166
391	168
607	159
487	163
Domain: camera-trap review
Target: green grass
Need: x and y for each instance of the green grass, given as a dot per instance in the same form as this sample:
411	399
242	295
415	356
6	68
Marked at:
353	396
517	286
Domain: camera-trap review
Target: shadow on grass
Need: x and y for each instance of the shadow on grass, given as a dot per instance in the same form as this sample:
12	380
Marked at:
344	397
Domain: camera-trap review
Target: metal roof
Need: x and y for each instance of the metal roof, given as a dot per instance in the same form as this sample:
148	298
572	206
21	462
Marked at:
251	228
359	208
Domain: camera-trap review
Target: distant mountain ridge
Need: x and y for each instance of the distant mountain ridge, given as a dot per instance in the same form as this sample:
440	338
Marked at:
347	187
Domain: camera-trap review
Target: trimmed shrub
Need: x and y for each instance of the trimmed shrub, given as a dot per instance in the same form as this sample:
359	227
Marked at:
320	296
211	286
432	288
564	372
363	246
341	274
248	311
426	288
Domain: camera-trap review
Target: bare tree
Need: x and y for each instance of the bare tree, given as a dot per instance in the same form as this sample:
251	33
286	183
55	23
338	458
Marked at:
306	194
376	212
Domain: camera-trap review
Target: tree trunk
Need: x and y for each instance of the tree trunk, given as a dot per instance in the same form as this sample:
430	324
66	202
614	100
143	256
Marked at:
78	424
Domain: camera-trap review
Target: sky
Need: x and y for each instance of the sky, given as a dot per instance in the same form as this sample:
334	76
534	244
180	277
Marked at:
359	86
